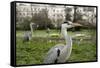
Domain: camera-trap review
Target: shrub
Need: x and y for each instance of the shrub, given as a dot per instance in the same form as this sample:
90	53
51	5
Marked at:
25	25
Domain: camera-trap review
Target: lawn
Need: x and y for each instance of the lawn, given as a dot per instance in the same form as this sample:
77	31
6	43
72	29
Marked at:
34	51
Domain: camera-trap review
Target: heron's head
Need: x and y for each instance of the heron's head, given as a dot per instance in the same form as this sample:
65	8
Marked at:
67	24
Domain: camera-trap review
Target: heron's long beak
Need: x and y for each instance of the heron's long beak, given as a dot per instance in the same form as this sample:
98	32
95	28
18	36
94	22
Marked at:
76	24
73	25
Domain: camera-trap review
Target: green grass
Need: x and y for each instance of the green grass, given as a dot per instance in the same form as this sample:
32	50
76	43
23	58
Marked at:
37	33
34	51
85	51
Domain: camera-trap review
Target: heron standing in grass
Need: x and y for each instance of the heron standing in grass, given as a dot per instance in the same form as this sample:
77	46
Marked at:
60	52
28	34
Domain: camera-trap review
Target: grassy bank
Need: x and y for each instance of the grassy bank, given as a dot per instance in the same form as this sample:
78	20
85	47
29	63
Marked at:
34	51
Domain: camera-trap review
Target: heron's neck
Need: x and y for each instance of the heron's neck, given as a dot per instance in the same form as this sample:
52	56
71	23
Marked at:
68	39
31	29
66	51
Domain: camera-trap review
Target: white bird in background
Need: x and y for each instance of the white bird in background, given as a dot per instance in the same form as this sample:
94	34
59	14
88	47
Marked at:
60	53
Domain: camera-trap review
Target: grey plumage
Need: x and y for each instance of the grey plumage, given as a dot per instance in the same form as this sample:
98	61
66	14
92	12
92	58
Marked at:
64	50
52	54
27	36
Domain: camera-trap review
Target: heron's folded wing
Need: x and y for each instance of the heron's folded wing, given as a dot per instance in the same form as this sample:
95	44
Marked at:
51	56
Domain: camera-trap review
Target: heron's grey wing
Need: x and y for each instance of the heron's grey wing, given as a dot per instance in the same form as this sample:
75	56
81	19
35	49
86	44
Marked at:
52	54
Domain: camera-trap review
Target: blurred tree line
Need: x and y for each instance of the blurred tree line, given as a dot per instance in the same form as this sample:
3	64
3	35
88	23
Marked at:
43	21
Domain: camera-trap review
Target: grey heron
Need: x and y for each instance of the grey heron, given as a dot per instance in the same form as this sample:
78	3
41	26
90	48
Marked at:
60	52
28	34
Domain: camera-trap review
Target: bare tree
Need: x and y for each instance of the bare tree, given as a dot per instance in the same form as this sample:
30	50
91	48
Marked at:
41	18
